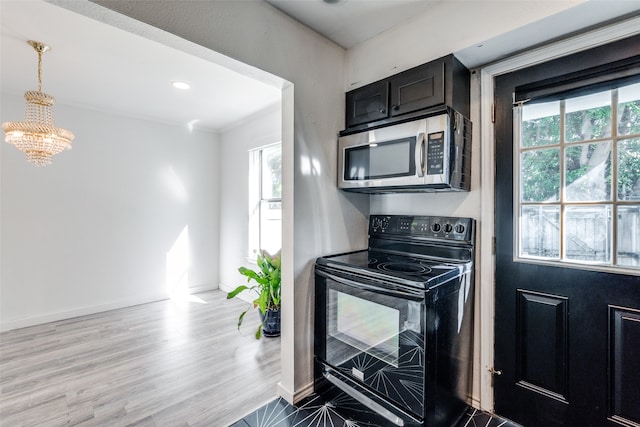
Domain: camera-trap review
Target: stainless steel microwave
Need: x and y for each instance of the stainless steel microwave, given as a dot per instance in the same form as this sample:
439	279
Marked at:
429	154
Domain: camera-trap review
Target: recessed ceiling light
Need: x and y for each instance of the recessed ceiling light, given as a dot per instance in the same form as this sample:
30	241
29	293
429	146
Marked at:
181	85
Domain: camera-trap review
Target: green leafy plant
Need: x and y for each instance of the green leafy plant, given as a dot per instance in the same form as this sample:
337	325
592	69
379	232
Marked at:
267	286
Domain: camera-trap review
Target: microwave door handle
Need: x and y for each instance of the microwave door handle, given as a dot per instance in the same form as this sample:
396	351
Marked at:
420	151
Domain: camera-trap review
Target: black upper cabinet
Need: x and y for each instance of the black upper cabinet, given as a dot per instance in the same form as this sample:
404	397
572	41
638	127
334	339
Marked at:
368	104
417	88
431	86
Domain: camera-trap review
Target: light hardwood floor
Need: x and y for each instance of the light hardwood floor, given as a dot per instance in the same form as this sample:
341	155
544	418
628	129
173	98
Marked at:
160	364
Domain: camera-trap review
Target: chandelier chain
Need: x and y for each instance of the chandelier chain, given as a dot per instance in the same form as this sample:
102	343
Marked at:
39	69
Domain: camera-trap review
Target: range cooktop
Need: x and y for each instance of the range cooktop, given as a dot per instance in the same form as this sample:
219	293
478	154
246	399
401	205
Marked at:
406	269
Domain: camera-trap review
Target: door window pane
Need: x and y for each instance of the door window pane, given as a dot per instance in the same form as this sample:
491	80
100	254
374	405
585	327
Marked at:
541	124
629	169
579	193
629	110
588	117
587	233
540	175
588	172
629	236
540	227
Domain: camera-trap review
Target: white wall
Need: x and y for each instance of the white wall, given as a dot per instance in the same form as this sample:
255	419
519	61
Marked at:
259	130
317	219
93	230
446	28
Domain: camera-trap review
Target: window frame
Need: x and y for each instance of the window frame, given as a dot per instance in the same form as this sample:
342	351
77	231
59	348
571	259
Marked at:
611	265
256	199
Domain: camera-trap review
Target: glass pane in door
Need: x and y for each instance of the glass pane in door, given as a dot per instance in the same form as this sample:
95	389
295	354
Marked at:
629	169
629	236
541	124
588	172
629	110
540	228
588	117
540	175
587	233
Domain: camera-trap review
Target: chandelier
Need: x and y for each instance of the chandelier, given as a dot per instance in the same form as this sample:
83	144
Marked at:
37	136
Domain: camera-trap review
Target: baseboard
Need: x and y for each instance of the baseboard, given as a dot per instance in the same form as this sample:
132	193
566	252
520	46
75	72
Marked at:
303	392
296	396
201	288
225	288
475	403
83	311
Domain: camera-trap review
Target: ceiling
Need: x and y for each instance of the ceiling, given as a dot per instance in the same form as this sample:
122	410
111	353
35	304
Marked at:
108	69
95	71
349	22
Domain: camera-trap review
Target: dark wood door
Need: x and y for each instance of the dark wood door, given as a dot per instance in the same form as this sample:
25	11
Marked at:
567	339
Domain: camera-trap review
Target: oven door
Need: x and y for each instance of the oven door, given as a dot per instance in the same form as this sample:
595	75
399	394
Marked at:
374	335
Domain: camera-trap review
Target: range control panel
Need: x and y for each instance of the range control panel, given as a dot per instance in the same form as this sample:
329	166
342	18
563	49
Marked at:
429	227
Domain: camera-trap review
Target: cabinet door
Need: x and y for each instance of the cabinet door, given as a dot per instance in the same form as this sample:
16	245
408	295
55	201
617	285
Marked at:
367	104
418	88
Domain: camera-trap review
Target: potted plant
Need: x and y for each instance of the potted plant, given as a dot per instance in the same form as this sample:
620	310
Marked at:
267	287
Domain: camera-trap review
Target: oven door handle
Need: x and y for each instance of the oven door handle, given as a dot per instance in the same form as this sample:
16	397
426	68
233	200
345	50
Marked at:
365	400
411	294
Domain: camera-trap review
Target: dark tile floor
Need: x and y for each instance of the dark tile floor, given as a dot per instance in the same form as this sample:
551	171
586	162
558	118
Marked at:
318	412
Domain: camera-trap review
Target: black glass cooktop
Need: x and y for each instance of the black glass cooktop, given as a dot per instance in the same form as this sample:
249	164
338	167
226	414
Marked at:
414	271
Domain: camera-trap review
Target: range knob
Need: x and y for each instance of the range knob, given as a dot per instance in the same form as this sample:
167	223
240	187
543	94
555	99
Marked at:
380	224
385	223
435	227
459	228
448	228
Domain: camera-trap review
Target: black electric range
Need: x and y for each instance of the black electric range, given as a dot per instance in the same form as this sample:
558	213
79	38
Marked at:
393	322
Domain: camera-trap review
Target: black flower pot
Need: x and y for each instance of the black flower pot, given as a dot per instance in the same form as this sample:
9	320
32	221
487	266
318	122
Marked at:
270	323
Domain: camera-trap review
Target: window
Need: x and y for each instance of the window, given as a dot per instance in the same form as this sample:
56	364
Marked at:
265	199
578	179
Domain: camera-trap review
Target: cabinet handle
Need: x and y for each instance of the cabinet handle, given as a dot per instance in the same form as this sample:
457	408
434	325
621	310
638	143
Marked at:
381	111
395	107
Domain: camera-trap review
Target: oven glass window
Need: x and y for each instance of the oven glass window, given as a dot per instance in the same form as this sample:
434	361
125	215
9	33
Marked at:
367	326
381	160
364	325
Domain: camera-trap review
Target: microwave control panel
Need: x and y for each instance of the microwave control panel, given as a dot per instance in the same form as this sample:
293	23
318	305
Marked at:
435	153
